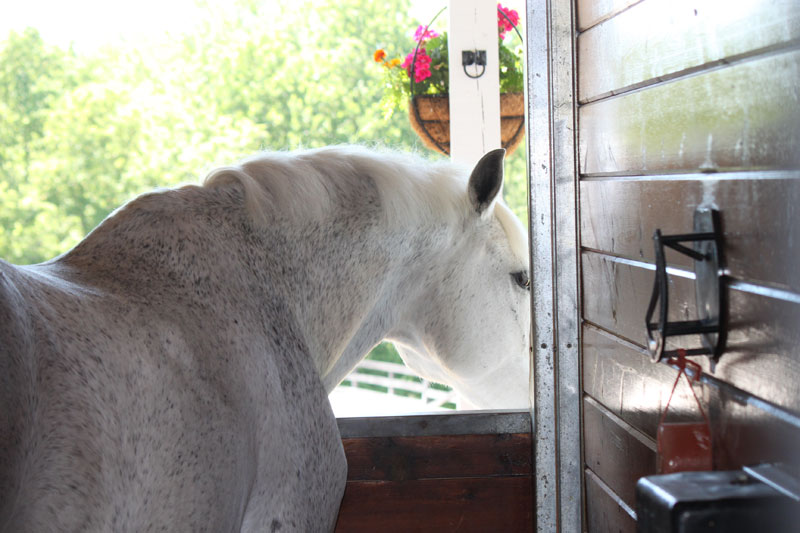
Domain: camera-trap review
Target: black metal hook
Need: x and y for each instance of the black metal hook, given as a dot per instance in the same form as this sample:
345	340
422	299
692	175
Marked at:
709	292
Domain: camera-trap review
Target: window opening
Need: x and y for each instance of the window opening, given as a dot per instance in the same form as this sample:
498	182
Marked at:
103	101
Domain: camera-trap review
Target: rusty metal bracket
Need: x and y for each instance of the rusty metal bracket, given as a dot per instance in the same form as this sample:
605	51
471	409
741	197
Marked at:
709	290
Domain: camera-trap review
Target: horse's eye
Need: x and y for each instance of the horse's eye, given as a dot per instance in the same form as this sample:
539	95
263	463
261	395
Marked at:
521	278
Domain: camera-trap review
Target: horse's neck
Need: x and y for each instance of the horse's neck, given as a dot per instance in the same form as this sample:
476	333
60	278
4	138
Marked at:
344	280
355	287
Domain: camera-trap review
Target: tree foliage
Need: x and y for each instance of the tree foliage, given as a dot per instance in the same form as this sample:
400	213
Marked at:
81	134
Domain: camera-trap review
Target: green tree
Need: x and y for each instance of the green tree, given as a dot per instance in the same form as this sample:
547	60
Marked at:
79	135
304	75
32	76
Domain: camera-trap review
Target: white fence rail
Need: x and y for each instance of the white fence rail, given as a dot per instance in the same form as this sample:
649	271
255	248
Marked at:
395	382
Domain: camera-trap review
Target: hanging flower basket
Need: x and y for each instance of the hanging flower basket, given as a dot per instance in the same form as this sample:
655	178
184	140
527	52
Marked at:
429	115
420	83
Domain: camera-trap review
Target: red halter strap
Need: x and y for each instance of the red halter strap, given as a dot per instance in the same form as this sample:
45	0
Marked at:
682	363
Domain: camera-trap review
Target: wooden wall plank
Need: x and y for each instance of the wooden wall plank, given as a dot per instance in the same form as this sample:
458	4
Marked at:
603	512
406	458
746	435
742	117
591	12
623	379
615	451
701	101
628	384
761	356
464	504
676	37
461	471
759	218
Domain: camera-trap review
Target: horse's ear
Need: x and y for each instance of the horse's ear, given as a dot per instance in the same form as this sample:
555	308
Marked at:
486	180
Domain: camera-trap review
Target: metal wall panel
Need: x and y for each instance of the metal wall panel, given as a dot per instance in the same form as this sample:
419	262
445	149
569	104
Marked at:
540	227
738	118
486	422
556	396
657	40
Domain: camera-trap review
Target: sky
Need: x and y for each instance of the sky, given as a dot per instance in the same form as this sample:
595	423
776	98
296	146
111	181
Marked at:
89	24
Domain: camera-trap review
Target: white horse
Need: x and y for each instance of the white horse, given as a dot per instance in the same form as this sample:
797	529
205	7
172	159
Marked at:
171	371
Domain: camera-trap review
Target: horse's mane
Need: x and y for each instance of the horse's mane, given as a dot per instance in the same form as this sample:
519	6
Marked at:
309	183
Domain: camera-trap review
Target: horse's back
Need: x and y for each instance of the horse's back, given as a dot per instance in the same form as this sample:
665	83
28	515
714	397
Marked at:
16	373
115	416
55	415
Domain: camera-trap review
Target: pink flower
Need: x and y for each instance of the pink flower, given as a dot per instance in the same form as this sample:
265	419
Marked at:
423	34
422	73
407	63
422	65
506	24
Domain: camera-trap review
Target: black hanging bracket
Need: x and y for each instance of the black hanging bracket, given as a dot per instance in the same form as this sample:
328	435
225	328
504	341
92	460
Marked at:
709	290
473	57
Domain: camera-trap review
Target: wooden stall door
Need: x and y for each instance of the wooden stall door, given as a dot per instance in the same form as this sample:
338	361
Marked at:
468	471
682	104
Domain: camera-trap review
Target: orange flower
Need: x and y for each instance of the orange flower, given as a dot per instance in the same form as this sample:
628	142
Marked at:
379	55
394	62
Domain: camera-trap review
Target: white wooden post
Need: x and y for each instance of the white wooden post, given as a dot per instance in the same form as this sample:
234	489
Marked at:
474	103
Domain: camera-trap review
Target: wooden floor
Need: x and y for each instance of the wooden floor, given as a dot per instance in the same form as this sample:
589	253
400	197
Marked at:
440	472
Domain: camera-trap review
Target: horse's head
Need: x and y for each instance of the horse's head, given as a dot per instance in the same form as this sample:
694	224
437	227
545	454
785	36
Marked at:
470	328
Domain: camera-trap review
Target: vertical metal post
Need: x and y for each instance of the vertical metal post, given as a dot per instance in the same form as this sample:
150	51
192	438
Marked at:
553	177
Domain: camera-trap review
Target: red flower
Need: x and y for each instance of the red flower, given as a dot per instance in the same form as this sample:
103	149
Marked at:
506	24
422	65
